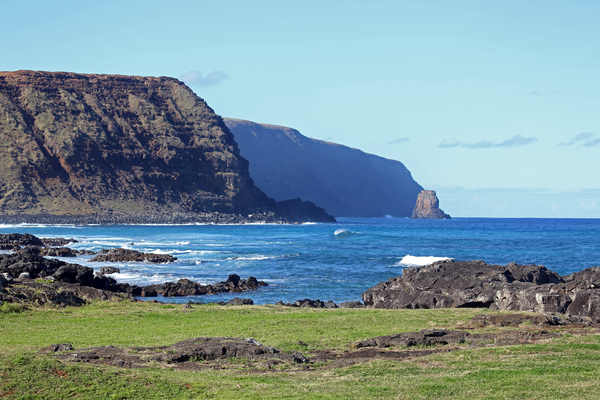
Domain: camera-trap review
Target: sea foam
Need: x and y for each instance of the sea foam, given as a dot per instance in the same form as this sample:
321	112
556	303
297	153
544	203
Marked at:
343	233
416	261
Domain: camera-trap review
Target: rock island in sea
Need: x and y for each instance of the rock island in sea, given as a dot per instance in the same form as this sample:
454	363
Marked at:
428	206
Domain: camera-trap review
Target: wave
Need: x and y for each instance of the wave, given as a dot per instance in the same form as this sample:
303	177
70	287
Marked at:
343	233
144	242
124	244
257	257
142	279
31	225
418	261
193	252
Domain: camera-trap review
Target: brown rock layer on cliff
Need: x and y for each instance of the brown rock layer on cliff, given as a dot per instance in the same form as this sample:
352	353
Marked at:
427	206
74	144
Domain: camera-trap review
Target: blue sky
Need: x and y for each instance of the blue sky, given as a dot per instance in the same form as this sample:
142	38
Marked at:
493	104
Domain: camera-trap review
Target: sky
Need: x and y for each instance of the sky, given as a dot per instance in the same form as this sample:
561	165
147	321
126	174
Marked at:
495	105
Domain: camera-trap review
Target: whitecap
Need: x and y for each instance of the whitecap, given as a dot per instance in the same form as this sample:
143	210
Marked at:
256	257
418	261
173	251
33	225
142	279
149	243
343	233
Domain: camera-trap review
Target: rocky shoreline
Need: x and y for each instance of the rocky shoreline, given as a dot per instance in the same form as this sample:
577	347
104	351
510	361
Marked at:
27	277
176	218
475	284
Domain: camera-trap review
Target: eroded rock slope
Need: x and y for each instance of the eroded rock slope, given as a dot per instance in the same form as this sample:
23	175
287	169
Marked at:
110	145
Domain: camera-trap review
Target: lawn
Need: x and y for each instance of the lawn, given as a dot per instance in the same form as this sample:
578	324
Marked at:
565	367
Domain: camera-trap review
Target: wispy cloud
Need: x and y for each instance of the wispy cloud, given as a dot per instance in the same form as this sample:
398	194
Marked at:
198	79
585	139
399	140
515	141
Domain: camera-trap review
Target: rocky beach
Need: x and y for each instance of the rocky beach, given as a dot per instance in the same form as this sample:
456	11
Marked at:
29	278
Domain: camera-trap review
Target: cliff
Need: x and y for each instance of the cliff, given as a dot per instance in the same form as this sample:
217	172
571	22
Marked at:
345	181
428	206
100	147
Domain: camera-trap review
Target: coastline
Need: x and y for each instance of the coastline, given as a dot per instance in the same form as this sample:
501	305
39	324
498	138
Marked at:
311	261
176	218
248	350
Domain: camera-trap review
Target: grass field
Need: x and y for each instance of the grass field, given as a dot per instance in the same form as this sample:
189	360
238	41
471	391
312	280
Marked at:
566	367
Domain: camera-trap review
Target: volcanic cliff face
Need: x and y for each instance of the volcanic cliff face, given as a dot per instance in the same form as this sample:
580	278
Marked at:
428	206
74	144
345	181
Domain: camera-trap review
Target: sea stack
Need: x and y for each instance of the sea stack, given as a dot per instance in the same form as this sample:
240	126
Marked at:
428	206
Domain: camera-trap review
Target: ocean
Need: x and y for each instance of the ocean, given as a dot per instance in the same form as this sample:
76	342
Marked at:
328	261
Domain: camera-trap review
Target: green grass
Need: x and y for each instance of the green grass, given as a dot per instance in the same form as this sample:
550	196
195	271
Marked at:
563	368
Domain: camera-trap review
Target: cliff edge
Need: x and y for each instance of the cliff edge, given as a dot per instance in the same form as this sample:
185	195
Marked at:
110	147
344	181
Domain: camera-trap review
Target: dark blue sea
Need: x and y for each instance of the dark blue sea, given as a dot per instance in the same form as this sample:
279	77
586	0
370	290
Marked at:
329	261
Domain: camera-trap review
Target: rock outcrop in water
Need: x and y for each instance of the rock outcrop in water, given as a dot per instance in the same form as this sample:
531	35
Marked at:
50	281
344	181
428	206
122	149
121	255
446	284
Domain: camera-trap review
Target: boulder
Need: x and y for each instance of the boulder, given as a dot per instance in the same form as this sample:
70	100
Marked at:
586	303
57	242
109	270
236	301
27	260
57	252
107	283
308	303
5	278
447	283
186	287
75	273
13	241
352	304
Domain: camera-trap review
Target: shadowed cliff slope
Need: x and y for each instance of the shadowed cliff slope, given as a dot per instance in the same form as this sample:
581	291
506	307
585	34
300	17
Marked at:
77	145
345	181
